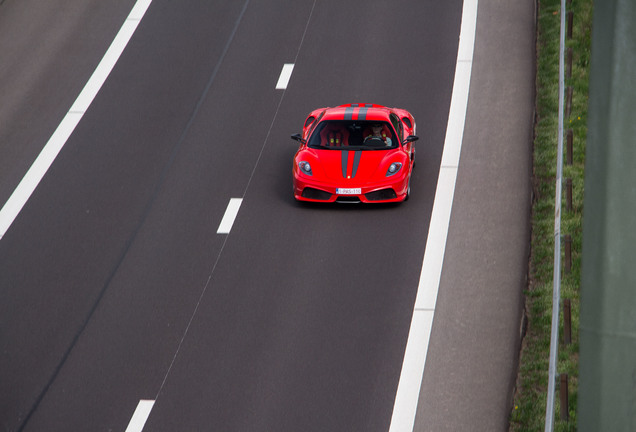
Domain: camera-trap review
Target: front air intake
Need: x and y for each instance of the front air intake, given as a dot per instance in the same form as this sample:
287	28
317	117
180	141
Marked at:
348	199
315	194
381	195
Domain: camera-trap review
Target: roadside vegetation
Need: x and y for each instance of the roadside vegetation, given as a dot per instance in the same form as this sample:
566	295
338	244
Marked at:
529	407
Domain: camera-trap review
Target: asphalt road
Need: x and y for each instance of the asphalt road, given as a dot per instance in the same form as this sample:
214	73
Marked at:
115	286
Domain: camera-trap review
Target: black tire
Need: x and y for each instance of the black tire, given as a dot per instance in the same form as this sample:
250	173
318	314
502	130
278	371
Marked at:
408	191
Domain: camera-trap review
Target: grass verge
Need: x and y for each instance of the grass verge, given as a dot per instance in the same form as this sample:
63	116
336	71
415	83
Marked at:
532	382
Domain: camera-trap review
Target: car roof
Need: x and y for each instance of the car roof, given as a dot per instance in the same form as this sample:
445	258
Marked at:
358	112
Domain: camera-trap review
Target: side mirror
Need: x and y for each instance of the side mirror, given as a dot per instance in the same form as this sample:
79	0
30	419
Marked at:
410	138
299	138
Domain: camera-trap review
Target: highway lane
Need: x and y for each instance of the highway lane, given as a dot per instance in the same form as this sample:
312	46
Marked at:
48	51
305	317
56	270
332	288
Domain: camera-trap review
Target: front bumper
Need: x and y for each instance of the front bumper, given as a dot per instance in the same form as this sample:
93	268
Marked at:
391	190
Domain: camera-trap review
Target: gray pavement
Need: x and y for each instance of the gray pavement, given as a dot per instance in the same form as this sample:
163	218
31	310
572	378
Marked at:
472	360
305	319
48	50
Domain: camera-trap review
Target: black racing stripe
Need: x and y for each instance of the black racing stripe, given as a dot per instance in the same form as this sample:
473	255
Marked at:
356	161
362	115
344	160
348	115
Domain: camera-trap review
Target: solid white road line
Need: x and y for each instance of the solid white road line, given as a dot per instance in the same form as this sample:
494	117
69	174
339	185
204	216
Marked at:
139	418
230	214
45	159
406	398
284	77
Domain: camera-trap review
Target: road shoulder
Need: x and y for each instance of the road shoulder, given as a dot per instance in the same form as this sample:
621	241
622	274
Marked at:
468	381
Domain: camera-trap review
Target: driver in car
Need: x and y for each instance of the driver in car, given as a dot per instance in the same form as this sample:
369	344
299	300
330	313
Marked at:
378	132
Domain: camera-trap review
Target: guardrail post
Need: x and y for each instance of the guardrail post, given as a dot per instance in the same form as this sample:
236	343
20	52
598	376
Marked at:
568	253
567	322
563	396
568	194
570	146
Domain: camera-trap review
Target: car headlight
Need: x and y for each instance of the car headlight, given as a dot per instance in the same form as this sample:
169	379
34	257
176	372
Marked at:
393	168
305	167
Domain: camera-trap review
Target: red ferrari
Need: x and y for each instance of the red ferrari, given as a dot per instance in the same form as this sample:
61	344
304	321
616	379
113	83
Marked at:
355	153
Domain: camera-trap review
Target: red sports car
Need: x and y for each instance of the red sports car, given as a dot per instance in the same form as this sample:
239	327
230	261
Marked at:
355	153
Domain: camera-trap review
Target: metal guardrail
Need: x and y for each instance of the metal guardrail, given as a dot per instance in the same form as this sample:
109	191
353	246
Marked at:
556	290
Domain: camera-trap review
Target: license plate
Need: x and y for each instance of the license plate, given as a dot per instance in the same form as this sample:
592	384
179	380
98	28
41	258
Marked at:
348	191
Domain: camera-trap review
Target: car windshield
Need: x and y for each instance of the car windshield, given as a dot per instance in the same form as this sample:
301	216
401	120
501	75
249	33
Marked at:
353	135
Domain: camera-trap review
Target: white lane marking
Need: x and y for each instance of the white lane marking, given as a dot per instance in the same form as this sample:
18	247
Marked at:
229	216
139	418
285	75
45	159
406	398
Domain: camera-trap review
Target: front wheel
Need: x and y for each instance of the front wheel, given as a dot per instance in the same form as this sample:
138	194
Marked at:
408	191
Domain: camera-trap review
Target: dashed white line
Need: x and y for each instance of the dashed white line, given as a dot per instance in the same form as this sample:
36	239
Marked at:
285	75
407	396
139	418
230	214
45	159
